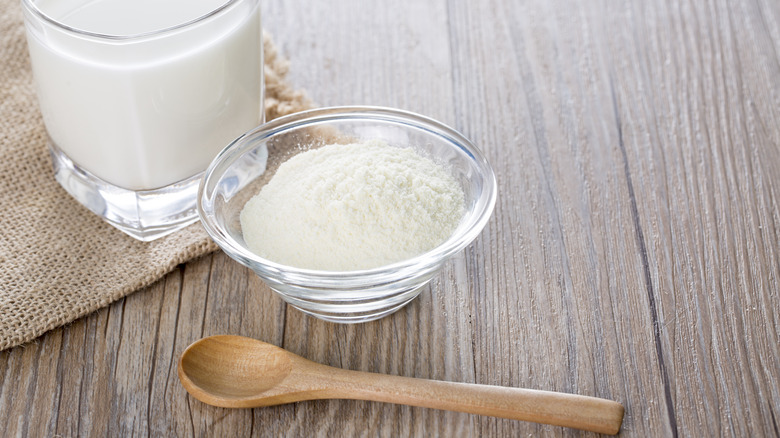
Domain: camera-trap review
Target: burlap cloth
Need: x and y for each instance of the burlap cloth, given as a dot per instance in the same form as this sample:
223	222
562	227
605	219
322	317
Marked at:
58	261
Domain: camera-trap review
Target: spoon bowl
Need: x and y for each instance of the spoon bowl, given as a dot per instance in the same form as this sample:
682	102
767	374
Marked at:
213	368
239	372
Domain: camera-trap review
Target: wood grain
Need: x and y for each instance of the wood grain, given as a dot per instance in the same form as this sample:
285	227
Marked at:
634	253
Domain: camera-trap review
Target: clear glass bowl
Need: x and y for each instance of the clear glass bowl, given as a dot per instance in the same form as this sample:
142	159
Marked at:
244	166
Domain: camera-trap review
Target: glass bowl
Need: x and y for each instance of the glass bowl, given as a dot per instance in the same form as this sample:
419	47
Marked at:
249	162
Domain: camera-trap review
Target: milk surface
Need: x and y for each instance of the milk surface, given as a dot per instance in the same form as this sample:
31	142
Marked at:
126	17
145	112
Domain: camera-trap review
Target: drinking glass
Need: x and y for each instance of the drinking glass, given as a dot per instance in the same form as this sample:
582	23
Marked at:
138	96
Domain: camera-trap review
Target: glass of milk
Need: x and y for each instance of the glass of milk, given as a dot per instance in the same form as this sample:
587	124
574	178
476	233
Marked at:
138	96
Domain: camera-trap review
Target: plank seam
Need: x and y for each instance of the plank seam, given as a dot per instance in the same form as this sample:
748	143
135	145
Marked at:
645	266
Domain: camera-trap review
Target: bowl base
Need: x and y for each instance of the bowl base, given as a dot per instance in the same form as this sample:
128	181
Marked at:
351	313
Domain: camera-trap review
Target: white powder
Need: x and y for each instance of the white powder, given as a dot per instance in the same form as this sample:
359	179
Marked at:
351	207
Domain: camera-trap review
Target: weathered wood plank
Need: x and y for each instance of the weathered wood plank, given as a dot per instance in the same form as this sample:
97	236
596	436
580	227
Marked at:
702	195
633	253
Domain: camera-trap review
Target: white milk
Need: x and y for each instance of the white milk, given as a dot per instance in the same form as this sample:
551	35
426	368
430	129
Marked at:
145	112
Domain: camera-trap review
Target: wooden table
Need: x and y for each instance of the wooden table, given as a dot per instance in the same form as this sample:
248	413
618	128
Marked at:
634	252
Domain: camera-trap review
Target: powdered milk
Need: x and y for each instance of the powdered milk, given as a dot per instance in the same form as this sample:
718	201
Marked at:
351	207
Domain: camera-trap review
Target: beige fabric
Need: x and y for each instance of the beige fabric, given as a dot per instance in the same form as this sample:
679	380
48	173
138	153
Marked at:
58	261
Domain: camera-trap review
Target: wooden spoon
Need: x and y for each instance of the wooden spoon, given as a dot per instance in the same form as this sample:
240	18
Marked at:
239	372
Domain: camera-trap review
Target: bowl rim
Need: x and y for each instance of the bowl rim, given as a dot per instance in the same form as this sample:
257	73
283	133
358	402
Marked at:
385	274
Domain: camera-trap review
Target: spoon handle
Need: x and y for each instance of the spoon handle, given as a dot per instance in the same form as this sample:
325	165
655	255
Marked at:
559	409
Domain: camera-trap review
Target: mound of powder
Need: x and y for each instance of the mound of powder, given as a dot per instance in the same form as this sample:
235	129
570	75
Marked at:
350	207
